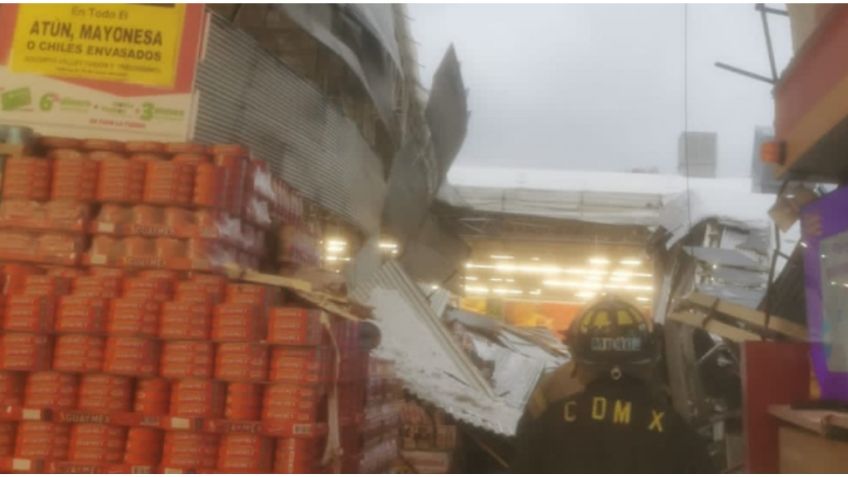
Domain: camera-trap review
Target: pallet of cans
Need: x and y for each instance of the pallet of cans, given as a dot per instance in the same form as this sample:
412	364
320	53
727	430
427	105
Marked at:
114	370
140	204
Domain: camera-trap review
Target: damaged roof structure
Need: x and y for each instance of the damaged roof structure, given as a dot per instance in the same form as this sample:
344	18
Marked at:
437	369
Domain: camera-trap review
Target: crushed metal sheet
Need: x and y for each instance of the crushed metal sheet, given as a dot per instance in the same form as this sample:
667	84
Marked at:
427	357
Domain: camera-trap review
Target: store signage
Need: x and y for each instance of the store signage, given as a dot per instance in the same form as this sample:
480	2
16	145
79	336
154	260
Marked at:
125	43
100	70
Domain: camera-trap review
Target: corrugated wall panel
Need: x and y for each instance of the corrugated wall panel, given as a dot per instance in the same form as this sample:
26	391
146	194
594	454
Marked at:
248	96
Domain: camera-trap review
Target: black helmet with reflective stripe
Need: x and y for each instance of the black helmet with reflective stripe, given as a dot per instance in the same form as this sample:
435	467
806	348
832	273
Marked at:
612	334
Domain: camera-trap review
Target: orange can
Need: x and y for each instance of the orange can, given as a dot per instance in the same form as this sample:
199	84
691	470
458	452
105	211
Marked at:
42	440
259	295
193	159
152	396
51	390
158	289
46	285
241	362
297	455
209	186
61	153
144	446
25	352
105	393
97	443
185	148
133	317
11	388
81	314
295	326
150	147
120	181
168	183
74	178
142	157
29	313
131	356
15	277
8	431
170	248
26	178
187	450
101	156
187	359
229	150
106	286
190	289
304	365
215	282
53	142
102	145
197	398
78	353
244	401
246	453
185	320
236	322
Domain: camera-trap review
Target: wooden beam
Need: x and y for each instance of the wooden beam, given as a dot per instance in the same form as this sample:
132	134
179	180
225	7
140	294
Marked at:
747	315
337	305
714	326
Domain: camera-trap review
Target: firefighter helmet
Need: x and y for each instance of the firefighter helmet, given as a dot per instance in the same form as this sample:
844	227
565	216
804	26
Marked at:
613	335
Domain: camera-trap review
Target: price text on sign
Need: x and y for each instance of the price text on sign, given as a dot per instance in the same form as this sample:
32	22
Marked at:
136	44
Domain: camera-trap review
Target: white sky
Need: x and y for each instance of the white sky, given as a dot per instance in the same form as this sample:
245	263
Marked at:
601	87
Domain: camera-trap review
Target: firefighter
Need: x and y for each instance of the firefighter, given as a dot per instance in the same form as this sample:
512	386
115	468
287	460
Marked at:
617	423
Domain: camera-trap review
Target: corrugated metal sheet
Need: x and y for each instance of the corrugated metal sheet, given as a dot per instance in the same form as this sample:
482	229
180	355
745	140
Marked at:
428	359
435	253
248	96
447	111
379	19
362	55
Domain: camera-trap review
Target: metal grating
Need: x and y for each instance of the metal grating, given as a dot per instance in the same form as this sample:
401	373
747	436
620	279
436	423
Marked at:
246	95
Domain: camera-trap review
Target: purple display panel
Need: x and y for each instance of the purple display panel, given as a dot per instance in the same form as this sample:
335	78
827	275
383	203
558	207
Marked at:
825	237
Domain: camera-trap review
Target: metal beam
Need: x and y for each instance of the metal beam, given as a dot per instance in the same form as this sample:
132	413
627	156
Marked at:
747	73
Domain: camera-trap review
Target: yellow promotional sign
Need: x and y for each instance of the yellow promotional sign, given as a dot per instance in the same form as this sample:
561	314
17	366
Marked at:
136	44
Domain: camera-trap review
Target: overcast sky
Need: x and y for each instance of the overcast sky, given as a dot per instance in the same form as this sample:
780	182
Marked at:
601	87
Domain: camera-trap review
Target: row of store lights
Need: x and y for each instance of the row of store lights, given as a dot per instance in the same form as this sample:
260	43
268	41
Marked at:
593	284
335	249
583	291
603	261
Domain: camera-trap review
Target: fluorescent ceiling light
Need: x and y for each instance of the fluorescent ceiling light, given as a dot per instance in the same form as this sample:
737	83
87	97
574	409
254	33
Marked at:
643	299
507	291
501	257
632	262
388	245
599	261
471	279
585	294
483	290
595	285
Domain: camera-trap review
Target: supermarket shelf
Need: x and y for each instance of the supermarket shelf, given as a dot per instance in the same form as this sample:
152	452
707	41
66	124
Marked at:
822	422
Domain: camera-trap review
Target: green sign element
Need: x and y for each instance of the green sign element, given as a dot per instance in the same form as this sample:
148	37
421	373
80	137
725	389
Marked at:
15	99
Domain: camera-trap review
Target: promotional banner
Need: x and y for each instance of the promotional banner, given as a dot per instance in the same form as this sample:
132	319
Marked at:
100	70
